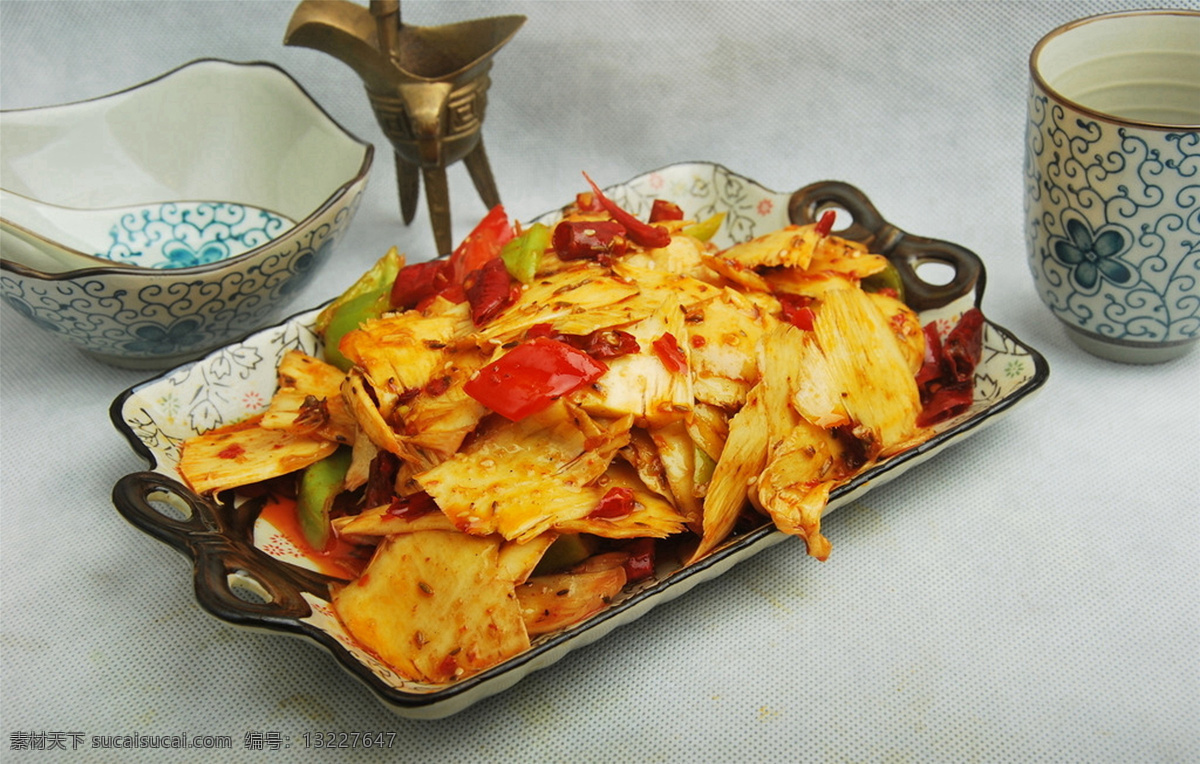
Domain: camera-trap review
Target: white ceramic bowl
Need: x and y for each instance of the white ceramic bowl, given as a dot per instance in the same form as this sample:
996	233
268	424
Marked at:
210	138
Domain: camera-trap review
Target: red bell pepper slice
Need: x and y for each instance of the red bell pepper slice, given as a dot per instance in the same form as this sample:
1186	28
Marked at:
483	243
531	376
639	233
667	349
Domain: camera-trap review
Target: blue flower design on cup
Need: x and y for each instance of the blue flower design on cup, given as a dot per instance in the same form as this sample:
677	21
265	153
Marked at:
1113	227
1090	256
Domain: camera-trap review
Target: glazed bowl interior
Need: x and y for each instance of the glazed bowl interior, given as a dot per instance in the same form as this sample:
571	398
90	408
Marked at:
1141	66
208	131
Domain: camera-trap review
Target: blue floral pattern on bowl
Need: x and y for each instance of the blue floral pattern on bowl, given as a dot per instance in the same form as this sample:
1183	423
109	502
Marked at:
121	318
1113	226
186	234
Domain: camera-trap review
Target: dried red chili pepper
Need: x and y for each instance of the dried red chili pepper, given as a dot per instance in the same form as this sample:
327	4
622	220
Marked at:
640	563
589	240
489	289
313	414
381	479
825	224
413	505
639	233
608	343
616	502
946	379
662	209
964	345
416	283
601	344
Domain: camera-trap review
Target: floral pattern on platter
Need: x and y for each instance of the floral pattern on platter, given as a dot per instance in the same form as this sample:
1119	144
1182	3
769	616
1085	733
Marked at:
186	234
1113	225
121	317
227	385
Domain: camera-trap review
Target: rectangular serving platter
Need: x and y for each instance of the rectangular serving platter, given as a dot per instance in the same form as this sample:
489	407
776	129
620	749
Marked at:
247	573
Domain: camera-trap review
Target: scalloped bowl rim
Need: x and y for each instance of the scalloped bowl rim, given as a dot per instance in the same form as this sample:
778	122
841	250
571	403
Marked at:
104	267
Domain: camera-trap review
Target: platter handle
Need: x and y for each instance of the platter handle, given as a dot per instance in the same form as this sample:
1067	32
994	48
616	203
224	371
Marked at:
906	251
234	580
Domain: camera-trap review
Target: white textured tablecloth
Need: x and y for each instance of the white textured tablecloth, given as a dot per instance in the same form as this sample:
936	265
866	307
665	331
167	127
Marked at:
1031	594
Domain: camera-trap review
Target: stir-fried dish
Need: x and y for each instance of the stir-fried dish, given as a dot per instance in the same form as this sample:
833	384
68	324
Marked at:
510	437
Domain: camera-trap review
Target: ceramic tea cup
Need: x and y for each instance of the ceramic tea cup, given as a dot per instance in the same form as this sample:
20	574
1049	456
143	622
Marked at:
1112	182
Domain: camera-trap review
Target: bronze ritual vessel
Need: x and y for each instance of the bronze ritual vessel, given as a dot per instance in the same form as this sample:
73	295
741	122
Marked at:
428	88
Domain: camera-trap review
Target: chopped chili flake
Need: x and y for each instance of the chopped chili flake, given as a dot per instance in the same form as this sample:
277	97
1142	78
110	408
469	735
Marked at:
667	349
313	414
231	452
437	386
413	505
449	667
640	563
797	310
617	502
